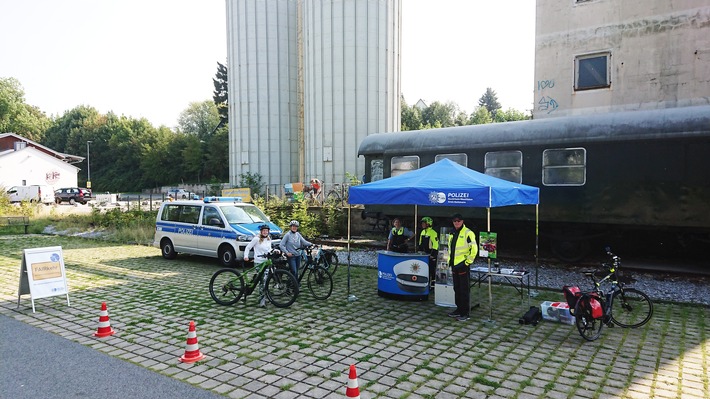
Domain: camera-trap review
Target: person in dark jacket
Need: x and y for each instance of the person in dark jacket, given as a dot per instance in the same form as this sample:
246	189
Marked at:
398	237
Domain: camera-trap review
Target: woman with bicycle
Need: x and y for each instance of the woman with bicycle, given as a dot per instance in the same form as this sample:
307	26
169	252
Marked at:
290	243
261	244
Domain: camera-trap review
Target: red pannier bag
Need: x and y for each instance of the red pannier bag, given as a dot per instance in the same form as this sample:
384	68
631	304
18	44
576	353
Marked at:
597	311
572	293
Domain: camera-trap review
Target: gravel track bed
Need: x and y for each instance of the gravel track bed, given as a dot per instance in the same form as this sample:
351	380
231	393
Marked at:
659	286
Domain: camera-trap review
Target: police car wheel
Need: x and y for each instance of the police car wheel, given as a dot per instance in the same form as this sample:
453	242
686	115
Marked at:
227	256
168	249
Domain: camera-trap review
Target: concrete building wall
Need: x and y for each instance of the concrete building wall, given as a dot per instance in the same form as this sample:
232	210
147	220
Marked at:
262	53
351	81
308	80
659	54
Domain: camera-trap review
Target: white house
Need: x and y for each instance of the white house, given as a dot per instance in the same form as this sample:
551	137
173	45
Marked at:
24	162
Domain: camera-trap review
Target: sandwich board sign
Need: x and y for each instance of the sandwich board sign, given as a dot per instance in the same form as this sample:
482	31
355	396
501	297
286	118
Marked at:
42	274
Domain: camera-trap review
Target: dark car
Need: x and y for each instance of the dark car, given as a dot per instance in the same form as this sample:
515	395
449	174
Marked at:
72	195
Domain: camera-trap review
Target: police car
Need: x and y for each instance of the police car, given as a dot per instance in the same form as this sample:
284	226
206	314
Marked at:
218	227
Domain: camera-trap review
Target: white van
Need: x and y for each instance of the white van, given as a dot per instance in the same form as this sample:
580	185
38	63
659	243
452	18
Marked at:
33	193
218	227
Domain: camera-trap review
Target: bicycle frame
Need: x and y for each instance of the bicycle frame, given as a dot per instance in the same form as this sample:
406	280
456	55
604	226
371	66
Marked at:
614	285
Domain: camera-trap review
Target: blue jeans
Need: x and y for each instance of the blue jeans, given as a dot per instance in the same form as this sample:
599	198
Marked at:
294	263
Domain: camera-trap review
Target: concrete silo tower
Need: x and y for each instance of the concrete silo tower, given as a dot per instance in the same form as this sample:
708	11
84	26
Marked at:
262	39
308	80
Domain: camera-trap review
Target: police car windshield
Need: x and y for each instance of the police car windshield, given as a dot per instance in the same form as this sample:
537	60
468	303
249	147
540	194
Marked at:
242	214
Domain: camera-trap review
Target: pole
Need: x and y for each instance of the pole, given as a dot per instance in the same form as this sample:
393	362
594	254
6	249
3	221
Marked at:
88	165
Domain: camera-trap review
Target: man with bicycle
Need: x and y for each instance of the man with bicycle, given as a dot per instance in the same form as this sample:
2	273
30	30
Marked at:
290	243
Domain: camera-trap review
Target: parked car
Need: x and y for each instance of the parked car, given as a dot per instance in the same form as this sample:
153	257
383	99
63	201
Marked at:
181	193
73	195
32	193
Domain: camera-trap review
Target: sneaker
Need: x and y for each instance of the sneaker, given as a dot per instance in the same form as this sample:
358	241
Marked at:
455	313
462	318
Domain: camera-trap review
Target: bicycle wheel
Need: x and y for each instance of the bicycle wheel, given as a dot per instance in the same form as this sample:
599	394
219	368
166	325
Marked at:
630	308
333	196
589	327
328	261
320	282
226	287
281	288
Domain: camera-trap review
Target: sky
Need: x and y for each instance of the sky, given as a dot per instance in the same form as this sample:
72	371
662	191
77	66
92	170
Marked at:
152	58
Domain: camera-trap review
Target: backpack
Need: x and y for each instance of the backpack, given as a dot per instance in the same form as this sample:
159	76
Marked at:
532	316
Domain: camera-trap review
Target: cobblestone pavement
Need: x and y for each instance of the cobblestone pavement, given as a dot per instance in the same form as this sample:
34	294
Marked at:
400	349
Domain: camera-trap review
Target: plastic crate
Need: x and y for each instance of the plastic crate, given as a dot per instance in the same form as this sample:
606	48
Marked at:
556	311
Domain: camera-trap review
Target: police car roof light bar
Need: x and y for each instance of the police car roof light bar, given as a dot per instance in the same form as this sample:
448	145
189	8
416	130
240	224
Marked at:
222	199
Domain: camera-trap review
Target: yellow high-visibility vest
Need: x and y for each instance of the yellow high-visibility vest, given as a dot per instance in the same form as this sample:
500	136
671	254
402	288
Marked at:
465	248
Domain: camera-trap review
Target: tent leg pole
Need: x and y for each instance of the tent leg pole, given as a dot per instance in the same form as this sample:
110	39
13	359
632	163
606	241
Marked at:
534	292
351	297
490	320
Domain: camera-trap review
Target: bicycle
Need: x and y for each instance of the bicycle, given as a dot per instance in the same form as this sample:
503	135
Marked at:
327	258
338	193
319	281
280	286
625	307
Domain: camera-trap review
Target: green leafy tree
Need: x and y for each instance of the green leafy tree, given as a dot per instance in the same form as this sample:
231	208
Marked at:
159	164
220	95
207	150
252	180
480	116
511	115
440	115
411	117
18	117
489	99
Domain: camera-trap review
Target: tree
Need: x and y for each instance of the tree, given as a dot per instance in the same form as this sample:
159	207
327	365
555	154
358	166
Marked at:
489	99
207	147
18	117
480	116
220	95
511	115
411	117
440	115
252	180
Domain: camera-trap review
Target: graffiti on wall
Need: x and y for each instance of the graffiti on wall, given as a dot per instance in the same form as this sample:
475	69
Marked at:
52	177
546	103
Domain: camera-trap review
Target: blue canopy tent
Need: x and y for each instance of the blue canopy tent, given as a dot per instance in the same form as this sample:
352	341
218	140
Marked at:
445	183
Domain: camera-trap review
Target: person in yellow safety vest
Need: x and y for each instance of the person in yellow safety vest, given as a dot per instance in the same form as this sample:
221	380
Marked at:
398	237
462	252
429	243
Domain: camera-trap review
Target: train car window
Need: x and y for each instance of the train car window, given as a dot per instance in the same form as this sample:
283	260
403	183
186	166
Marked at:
592	71
461	159
506	165
401	165
564	167
377	170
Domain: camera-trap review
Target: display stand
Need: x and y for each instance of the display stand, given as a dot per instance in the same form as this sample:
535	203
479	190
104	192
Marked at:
522	285
444	288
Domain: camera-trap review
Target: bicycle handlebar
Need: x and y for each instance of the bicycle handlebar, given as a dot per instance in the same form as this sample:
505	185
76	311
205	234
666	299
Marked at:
274	254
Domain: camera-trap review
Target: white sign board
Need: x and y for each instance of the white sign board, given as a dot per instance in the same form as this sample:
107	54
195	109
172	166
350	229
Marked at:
42	274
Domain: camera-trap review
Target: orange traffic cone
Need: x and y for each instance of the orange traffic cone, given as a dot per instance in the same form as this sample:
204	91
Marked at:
353	391
104	329
192	350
